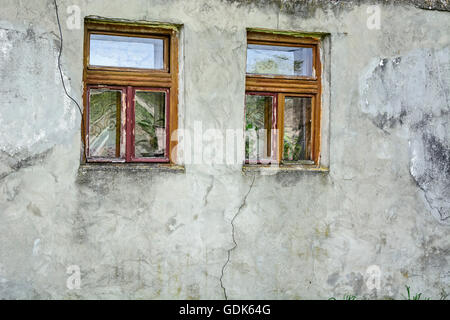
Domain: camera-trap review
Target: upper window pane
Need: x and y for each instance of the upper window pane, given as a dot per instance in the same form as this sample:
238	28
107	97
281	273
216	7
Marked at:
280	60
126	52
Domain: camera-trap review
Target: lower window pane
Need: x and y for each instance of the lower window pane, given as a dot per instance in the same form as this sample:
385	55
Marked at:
104	123
150	124
258	125
297	128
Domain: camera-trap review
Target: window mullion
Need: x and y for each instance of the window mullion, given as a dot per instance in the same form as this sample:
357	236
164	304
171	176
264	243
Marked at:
274	141
118	124
129	123
280	122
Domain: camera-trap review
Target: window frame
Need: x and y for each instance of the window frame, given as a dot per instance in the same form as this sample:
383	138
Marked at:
290	86
165	79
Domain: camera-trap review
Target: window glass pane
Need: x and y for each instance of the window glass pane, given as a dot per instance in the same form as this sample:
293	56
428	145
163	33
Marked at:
104	123
297	128
127	52
150	124
279	60
258	125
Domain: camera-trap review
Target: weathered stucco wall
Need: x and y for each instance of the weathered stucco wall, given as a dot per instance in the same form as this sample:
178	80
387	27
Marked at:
159	234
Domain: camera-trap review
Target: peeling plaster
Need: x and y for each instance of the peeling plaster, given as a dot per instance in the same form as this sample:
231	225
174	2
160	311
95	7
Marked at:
27	130
413	91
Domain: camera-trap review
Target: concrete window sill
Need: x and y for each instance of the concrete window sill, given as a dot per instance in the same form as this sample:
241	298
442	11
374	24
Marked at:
284	168
131	167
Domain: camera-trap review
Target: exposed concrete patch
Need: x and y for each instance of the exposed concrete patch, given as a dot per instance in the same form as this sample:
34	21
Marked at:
29	66
413	91
441	5
430	167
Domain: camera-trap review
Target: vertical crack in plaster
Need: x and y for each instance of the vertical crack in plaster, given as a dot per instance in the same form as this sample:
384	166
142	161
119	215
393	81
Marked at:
244	202
442	214
208	191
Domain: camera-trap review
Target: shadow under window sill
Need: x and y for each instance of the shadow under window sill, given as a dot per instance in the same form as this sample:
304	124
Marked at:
131	167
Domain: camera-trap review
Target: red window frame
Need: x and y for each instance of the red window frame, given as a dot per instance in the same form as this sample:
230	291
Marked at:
274	129
128	125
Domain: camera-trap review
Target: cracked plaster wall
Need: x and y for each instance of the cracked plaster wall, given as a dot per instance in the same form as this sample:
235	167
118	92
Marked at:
298	235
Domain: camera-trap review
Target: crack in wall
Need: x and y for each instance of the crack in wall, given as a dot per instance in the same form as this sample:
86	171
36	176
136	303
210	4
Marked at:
441	213
22	163
244	202
208	191
430	171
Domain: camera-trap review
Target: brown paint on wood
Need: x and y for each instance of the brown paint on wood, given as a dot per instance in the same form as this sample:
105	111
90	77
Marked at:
286	86
317	109
279	39
173	121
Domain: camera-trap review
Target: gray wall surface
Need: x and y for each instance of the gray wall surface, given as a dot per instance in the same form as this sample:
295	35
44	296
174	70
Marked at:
382	209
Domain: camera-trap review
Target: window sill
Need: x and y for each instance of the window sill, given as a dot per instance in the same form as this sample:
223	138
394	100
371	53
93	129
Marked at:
272	169
130	167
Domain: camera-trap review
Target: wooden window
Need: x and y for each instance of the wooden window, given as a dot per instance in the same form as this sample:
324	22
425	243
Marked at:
130	92
283	93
